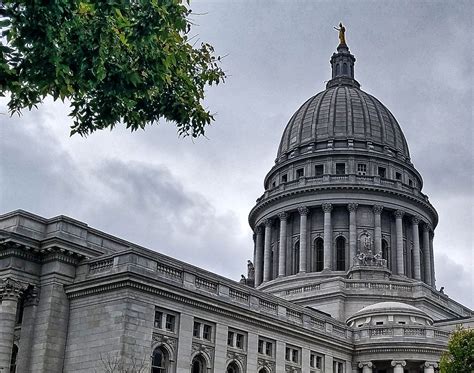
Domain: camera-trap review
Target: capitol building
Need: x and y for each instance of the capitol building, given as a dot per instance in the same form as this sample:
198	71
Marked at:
342	278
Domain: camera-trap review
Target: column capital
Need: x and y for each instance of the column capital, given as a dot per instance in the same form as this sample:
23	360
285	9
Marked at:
377	209
415	220
399	214
398	362
267	222
428	364
327	207
365	363
352	207
303	210
11	289
283	216
427	227
258	229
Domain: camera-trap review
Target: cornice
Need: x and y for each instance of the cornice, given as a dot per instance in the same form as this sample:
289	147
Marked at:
288	194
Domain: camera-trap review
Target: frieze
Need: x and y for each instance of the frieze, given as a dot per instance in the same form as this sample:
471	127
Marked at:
265	363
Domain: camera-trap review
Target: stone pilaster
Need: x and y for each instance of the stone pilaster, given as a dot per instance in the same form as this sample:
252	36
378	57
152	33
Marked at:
415	220
282	252
366	366
258	255
429	366
378	228
399	234
10	293
352	207
327	208
30	306
426	252
398	365
267	251
303	234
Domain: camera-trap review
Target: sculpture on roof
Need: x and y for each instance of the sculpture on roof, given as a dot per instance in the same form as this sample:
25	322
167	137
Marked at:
342	31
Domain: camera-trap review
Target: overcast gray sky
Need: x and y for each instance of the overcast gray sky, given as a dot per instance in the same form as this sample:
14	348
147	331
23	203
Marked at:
190	199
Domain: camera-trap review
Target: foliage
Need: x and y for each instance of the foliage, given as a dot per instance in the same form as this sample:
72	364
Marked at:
127	61
460	355
115	364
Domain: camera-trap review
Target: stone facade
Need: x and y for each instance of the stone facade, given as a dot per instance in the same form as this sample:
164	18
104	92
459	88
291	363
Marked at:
342	281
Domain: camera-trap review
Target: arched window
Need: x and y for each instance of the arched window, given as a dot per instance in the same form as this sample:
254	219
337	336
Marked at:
338	69
345	71
296	257
318	254
385	251
340	254
233	368
262	370
160	361
13	360
198	365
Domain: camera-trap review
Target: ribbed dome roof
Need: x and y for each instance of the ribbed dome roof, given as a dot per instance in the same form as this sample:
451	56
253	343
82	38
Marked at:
339	113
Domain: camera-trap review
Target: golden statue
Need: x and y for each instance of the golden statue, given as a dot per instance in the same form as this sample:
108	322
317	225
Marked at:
342	31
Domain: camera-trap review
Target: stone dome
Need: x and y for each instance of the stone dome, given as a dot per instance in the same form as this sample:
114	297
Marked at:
340	113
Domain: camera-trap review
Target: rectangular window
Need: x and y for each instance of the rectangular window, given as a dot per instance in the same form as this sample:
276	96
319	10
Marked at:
319	170
379	323
260	346
206	332
410	182
295	356
197	329
265	347
319	362
340	168
299	173
284	178
382	171
398	175
288	354
239	341
361	169
170	322
230	339
338	367
268	348
158	319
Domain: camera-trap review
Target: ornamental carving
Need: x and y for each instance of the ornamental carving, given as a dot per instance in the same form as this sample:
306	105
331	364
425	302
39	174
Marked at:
283	216
292	369
365	255
327	207
237	356
267	364
427	227
399	214
352	207
267	223
303	210
164	339
415	220
11	289
258	229
399	362
205	349
377	209
366	363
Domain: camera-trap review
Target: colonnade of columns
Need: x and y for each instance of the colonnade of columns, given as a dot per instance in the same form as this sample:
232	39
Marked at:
263	239
398	366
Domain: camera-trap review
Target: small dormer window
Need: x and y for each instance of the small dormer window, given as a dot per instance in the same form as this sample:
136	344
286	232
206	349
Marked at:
284	178
299	173
379	323
402	322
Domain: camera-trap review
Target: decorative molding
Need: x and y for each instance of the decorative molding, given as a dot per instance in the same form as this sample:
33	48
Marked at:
170	342
292	369
327	207
240	357
352	207
269	365
398	362
377	209
399	214
283	216
427	227
303	210
415	220
201	348
365	363
428	364
267	222
12	289
258	229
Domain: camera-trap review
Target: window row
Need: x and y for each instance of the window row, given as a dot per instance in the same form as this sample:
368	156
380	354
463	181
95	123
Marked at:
341	169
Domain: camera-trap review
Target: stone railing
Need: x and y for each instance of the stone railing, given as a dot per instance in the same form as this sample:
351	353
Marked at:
428	334
219	288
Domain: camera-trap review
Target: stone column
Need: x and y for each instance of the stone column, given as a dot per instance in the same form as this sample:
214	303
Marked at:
366	366
433	276
10	292
426	252
398	366
429	366
352	207
303	233
415	220
258	255
399	228
282	252
267	251
378	228
327	208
